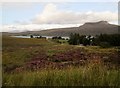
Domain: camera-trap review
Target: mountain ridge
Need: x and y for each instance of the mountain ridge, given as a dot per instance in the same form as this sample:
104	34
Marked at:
89	28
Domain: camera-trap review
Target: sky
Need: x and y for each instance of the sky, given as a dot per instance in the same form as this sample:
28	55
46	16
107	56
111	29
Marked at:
34	16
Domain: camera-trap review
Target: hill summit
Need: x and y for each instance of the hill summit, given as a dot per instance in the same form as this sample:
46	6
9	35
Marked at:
93	23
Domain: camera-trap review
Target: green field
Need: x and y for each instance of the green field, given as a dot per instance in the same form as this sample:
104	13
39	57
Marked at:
41	62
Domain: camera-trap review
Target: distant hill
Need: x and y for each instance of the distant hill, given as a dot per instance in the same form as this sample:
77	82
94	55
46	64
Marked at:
90	28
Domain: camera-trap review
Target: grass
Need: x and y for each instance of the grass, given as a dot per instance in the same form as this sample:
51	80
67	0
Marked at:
100	50
17	51
94	75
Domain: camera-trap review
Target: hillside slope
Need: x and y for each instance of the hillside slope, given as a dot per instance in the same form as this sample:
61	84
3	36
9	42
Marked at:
90	28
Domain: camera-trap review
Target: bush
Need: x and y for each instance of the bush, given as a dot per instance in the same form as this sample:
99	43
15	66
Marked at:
31	36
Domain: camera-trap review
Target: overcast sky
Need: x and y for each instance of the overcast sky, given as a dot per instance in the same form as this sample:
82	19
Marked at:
41	15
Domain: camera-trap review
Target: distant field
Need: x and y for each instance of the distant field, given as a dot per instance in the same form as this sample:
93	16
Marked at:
33	62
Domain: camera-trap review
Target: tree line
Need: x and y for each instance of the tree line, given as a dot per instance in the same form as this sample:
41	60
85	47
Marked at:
104	40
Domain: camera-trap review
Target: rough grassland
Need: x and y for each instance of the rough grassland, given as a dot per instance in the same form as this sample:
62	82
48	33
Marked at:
20	53
93	75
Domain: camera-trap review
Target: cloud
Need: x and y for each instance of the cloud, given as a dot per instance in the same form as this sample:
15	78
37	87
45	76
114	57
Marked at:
52	15
33	27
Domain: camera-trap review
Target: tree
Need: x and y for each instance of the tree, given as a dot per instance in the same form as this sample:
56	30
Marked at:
74	39
81	39
86	41
31	36
107	40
